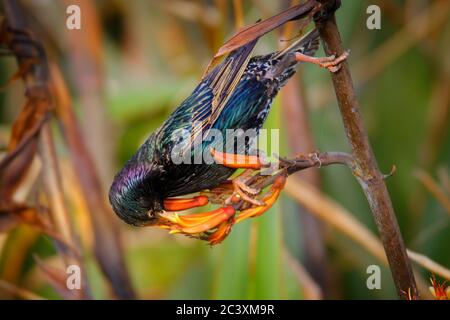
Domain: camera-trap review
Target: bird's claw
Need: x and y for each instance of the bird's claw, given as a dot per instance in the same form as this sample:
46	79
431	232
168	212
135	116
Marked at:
244	192
268	200
332	63
285	162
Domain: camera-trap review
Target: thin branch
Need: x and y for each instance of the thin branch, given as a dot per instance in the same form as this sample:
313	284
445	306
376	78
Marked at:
367	171
287	167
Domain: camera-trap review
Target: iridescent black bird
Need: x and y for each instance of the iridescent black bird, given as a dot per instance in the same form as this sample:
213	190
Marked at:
237	94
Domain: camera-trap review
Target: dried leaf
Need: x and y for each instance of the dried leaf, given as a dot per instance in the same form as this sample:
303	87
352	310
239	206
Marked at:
20	73
29	54
14	214
22	144
29	120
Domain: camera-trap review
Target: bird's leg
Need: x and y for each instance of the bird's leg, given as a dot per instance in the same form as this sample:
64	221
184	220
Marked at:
268	200
242	191
178	204
218	194
332	63
237	161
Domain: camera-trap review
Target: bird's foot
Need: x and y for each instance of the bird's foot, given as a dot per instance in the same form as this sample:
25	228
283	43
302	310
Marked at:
219	194
332	63
267	202
241	189
234	190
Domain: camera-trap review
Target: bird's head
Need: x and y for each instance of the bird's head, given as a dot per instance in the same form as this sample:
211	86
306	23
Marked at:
133	196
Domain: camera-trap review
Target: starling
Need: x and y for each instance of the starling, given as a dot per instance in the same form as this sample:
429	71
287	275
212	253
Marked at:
236	94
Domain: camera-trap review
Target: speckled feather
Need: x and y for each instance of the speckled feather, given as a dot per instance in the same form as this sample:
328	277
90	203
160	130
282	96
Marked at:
221	101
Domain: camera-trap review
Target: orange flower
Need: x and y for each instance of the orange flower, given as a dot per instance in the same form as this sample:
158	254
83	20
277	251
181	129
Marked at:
439	290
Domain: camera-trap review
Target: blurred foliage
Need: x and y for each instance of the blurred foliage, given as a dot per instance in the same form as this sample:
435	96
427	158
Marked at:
154	52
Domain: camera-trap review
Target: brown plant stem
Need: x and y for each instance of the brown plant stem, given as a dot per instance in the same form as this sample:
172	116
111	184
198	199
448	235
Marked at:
288	167
366	167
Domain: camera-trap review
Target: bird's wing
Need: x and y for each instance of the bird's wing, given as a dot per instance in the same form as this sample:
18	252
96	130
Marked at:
202	108
222	80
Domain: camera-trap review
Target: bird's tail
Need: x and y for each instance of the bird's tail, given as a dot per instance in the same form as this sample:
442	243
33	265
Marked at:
307	45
